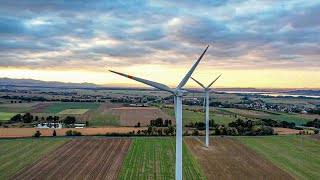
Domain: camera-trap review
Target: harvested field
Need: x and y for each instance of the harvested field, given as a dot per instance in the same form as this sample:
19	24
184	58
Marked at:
28	132
285	131
73	111
130	116
227	158
154	158
297	155
81	159
17	154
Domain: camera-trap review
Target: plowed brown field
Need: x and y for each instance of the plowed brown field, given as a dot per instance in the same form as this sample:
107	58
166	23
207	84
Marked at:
130	116
80	159
227	158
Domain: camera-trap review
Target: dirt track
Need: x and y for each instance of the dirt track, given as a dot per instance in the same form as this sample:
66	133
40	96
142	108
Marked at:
28	132
227	158
80	159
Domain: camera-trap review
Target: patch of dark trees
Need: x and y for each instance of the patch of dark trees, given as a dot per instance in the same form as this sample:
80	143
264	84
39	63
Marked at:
314	111
315	123
159	122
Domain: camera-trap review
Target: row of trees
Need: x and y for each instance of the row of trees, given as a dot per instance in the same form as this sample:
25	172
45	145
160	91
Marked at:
160	123
28	118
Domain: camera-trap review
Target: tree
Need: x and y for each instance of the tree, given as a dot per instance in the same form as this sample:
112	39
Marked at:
37	134
232	131
27	118
69	120
316	131
54	133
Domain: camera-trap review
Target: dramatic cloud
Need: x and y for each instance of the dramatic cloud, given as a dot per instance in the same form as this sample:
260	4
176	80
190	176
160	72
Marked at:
90	35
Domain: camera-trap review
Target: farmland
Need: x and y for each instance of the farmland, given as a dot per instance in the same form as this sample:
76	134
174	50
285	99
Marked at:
227	158
130	116
6	116
154	158
17	154
296	155
58	107
105	120
81	159
191	116
73	111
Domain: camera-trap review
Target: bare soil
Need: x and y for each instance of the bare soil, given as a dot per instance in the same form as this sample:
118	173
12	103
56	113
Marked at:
130	116
227	158
29	132
285	131
80	159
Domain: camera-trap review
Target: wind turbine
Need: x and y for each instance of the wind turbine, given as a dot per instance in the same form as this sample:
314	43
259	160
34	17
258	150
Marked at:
177	93
206	101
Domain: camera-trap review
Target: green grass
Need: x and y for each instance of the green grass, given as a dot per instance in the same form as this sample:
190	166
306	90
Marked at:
298	156
73	111
190	116
58	107
105	120
227	111
6	116
154	158
289	118
17	154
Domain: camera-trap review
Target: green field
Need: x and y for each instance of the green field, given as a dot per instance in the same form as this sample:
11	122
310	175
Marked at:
190	116
298	156
16	154
154	158
288	118
58	107
105	120
6	116
73	111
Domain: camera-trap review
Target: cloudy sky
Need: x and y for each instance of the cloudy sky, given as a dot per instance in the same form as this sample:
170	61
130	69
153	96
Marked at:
262	43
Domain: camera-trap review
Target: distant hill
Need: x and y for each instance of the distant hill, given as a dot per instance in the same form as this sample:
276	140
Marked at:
305	92
48	84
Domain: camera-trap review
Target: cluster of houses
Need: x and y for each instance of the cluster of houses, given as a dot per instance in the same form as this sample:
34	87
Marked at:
260	104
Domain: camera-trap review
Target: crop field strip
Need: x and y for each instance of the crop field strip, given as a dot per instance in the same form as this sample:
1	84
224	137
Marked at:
190	116
73	111
17	154
227	158
81	159
58	107
154	158
297	155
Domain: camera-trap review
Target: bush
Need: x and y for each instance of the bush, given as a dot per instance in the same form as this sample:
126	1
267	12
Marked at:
73	133
37	134
231	131
54	133
316	131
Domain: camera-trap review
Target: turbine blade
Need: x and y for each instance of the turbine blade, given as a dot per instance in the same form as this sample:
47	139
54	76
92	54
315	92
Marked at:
214	81
144	81
198	82
186	78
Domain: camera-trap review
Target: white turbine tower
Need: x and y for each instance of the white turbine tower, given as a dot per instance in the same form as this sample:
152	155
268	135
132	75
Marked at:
206	101
177	93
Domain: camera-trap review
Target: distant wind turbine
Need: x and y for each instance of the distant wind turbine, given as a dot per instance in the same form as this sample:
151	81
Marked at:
206	101
177	93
